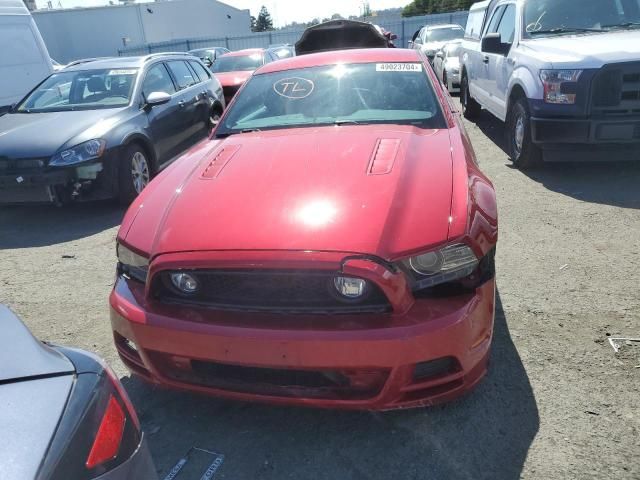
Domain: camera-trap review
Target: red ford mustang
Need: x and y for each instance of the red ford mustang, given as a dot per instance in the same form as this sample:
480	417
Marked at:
331	245
235	68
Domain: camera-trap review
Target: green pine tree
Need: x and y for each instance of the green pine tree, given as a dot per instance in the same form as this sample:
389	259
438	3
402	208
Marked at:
264	22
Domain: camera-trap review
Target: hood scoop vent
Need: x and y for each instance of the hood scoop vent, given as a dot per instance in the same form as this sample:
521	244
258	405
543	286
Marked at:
384	155
220	161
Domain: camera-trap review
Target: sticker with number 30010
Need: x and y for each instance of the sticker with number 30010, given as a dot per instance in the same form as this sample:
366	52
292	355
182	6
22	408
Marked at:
398	67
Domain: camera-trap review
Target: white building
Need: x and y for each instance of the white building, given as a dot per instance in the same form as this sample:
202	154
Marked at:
76	33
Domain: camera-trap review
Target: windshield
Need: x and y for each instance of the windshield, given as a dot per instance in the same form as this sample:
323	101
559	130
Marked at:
84	90
351	94
244	63
553	17
445	34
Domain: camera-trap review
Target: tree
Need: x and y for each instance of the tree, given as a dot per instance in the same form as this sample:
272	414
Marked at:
264	22
427	7
253	23
366	10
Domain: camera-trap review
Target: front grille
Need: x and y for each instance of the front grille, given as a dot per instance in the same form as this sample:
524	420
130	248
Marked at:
286	291
616	90
21	165
280	382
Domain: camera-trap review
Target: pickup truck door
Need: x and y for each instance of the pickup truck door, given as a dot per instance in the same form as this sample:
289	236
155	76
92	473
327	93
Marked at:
486	64
501	66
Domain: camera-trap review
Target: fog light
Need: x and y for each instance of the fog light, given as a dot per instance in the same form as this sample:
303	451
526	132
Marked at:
185	282
130	345
350	287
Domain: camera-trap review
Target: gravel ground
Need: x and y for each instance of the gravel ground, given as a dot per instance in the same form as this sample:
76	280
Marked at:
557	403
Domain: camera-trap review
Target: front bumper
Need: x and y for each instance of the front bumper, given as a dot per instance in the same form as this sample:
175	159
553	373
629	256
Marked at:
32	187
433	352
611	139
59	184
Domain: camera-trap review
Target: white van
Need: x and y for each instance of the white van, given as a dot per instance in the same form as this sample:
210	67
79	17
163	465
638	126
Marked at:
24	59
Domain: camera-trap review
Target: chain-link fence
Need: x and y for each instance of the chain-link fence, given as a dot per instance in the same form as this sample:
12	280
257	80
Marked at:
403	27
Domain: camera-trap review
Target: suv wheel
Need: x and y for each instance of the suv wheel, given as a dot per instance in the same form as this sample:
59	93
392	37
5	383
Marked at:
523	152
470	108
134	174
214	117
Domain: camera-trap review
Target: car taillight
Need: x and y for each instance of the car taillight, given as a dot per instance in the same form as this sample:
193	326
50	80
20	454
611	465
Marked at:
99	429
109	437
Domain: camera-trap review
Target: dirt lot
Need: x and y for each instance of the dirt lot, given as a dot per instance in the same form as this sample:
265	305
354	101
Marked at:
558	403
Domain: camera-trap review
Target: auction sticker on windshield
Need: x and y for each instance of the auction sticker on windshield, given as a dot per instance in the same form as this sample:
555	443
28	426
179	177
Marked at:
398	67
129	71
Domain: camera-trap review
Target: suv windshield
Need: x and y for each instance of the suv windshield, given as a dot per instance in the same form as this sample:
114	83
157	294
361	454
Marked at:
84	90
332	95
445	34
553	17
244	63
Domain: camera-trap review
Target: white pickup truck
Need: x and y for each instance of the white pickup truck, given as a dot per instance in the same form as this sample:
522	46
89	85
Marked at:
564	75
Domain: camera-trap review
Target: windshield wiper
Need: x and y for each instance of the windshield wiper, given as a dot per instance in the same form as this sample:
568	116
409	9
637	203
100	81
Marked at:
567	30
346	122
244	130
623	25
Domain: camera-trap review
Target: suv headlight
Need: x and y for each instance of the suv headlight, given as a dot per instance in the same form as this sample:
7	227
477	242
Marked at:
80	153
132	264
441	266
560	85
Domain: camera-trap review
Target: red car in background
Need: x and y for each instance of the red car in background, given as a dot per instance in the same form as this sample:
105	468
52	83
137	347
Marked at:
332	245
233	69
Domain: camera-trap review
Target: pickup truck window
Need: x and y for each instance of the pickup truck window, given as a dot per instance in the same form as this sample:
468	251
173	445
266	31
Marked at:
507	27
474	24
492	26
550	17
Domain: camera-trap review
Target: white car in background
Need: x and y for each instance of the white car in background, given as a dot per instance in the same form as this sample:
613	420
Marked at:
431	38
24	59
446	64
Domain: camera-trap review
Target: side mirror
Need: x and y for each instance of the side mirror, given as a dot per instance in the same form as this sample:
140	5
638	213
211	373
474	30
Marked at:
440	54
157	98
394	36
410	43
208	62
492	43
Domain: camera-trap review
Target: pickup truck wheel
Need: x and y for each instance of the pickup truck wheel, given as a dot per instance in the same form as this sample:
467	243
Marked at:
523	152
470	108
134	174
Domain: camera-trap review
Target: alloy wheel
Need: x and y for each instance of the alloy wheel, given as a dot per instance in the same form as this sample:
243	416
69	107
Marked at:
139	171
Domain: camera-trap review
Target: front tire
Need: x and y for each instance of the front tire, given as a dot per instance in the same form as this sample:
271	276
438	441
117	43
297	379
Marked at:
134	173
470	108
524	153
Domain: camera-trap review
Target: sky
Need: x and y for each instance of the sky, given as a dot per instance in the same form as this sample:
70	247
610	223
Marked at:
282	11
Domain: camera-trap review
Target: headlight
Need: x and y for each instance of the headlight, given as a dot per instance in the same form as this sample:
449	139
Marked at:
560	85
441	266
131	264
80	153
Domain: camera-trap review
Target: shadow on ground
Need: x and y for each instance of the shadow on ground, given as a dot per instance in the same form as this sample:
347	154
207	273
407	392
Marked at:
486	435
43	225
607	183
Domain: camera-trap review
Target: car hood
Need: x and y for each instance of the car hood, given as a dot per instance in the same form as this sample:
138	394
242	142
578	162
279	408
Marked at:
591	50
22	356
365	189
35	135
433	46
231	79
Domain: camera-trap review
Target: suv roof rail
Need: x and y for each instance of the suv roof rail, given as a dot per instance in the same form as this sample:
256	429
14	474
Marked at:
151	56
86	60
